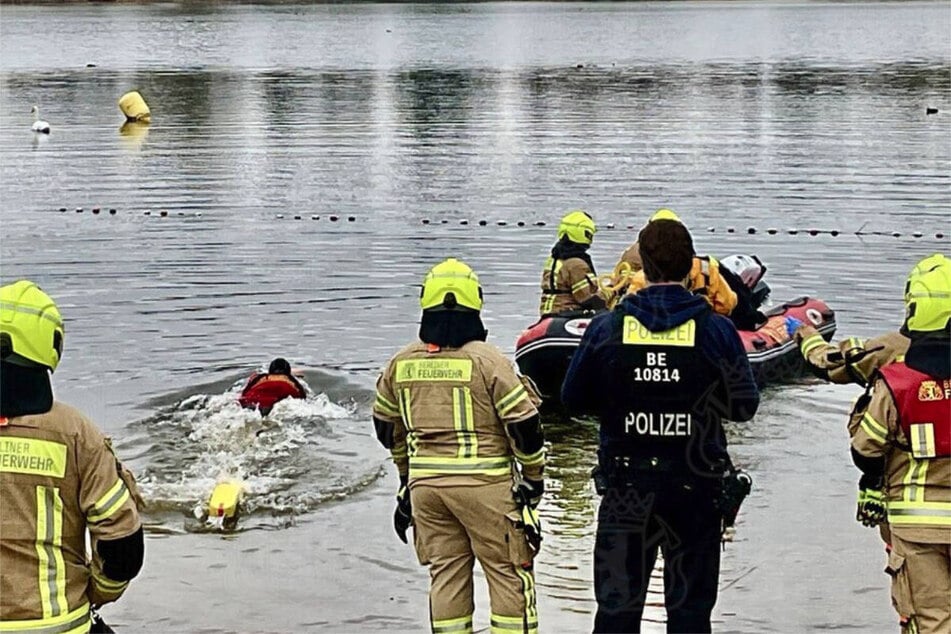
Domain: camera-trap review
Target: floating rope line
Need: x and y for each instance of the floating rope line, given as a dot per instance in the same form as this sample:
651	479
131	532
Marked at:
772	231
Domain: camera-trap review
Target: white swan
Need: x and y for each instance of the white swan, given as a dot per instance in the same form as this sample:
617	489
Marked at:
38	124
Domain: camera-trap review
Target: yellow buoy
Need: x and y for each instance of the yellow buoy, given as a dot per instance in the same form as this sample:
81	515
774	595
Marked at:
134	108
225	502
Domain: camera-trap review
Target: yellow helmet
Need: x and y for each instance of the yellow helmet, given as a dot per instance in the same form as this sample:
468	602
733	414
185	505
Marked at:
579	226
928	295
30	324
450	284
665	214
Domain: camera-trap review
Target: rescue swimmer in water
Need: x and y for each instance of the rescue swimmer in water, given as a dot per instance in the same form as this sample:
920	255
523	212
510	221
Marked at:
264	390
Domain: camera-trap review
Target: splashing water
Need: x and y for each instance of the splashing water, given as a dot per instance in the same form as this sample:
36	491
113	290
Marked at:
304	453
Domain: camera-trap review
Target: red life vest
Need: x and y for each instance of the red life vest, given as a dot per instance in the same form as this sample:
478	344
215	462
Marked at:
924	409
263	391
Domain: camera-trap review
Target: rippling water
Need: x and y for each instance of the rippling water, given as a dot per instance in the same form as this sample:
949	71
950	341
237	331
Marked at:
313	161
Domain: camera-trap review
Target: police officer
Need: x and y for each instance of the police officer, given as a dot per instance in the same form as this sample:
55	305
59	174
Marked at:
568	280
852	360
660	372
902	444
457	420
59	479
703	278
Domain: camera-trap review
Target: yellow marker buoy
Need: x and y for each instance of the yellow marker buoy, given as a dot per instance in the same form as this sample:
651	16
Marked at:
225	502
134	108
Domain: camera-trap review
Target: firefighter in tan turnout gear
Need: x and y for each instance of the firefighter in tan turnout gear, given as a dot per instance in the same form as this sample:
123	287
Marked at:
59	479
902	444
569	282
464	432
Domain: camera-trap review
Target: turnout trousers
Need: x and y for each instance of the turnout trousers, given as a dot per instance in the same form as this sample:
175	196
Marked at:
454	526
921	585
633	522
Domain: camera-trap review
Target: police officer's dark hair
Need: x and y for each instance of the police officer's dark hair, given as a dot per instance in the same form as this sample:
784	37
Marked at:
666	250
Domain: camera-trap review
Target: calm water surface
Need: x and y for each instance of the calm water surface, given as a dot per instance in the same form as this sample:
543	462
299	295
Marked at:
404	123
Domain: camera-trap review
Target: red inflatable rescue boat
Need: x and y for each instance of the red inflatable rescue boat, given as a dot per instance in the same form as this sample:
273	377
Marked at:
543	351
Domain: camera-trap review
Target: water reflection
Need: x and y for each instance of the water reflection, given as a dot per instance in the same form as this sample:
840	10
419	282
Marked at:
133	134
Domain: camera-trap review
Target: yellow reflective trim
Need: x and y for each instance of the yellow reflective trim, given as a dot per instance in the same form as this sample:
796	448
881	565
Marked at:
635	333
74	621
512	398
386	406
59	570
577	286
873	428
108	584
811	343
929	513
463	624
504	624
405	408
462	421
431	465
855	343
434	370
32	456
922	440
528	593
109	503
45	560
531	459
915	479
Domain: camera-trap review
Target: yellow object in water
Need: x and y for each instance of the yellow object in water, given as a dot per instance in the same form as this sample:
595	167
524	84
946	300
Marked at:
225	500
134	108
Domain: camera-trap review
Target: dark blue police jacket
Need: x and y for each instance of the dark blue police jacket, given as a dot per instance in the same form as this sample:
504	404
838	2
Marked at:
660	372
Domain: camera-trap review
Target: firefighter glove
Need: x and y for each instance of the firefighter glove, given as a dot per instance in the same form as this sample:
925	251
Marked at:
871	509
528	492
403	516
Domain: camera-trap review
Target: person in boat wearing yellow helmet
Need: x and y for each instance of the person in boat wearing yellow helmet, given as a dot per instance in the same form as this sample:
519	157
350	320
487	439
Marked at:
464	432
568	280
704	277
59	478
901	442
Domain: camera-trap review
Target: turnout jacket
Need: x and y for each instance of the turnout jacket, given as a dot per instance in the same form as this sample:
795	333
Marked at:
903	432
567	284
59	478
458	415
852	360
660	372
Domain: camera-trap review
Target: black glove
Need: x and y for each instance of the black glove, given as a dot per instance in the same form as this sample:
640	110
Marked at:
528	492
871	509
403	516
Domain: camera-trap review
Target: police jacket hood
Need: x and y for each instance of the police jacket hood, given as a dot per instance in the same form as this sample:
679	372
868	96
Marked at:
662	307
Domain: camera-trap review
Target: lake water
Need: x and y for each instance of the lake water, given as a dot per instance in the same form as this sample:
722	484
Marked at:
313	161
